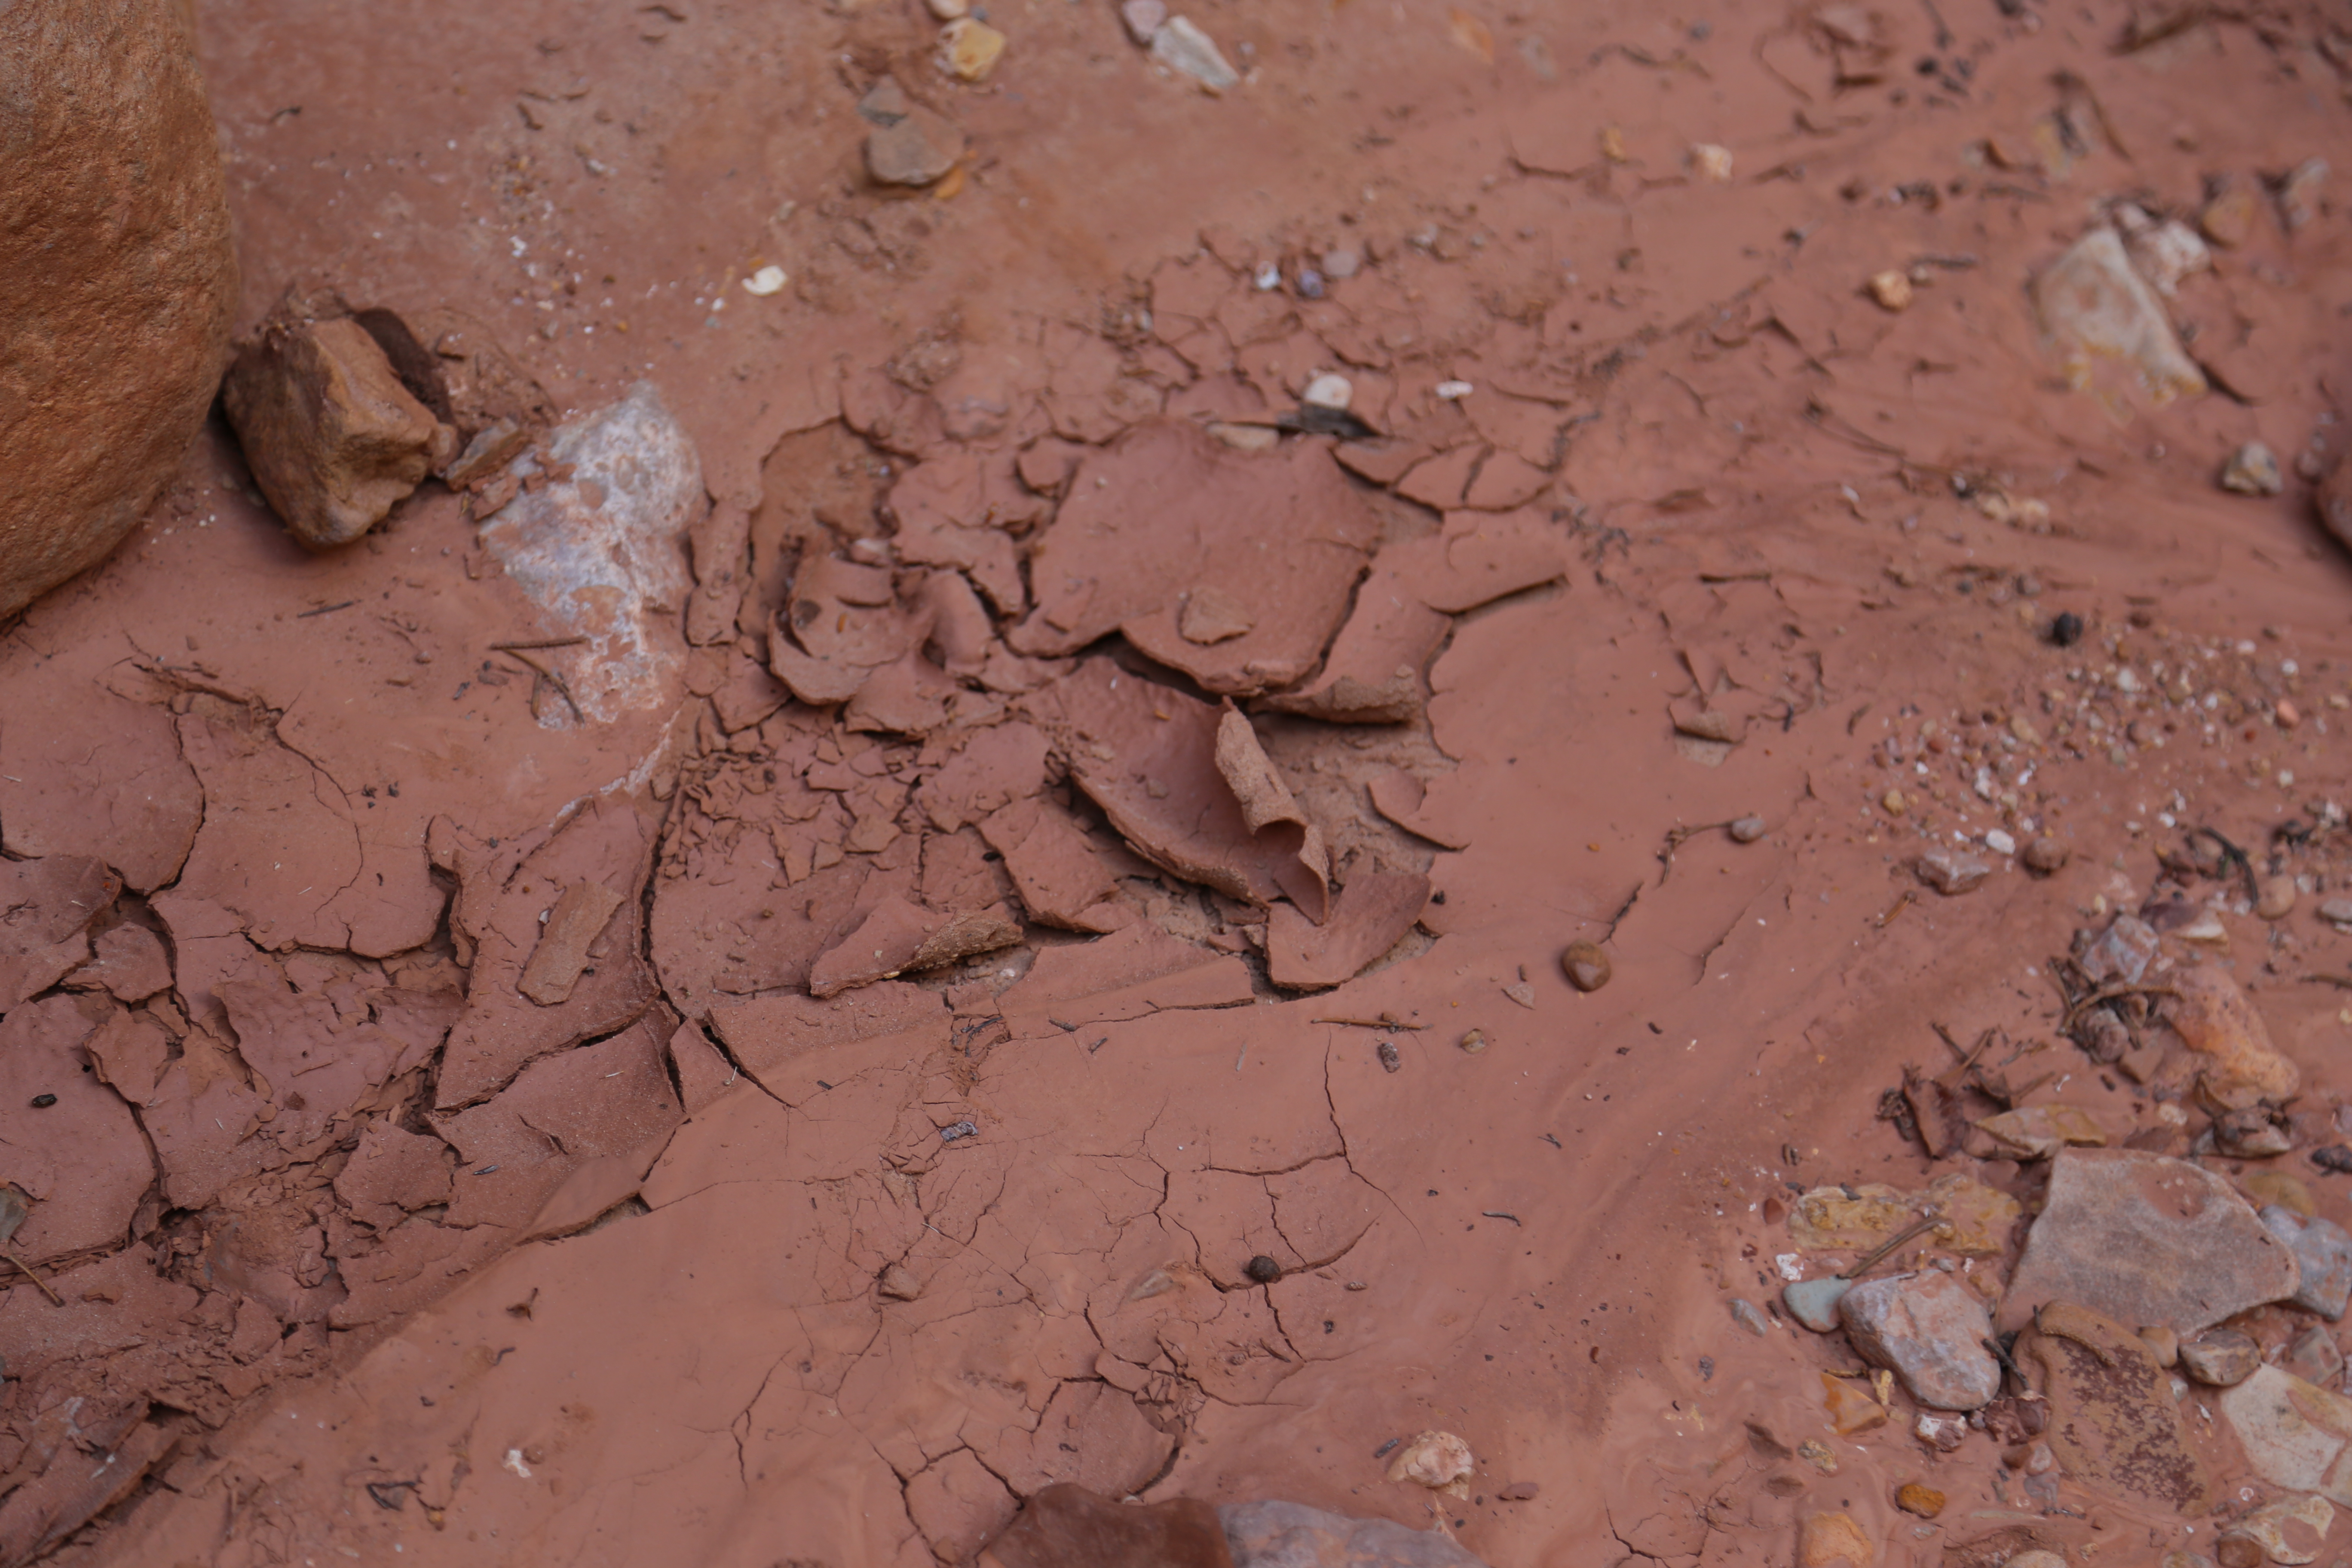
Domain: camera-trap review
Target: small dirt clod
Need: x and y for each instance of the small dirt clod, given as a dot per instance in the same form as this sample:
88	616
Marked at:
1263	1269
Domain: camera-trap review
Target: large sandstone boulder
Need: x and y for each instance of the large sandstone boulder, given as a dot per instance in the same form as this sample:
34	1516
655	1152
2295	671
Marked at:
120	280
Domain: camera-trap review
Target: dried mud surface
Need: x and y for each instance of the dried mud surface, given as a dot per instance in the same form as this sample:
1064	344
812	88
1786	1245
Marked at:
783	1051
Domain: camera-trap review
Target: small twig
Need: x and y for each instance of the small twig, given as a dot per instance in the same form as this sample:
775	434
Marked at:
2232	855
27	1269
1385	1021
2339	981
1900	905
1855	1270
539	643
2001	1353
1498	1214
2082	1006
326	609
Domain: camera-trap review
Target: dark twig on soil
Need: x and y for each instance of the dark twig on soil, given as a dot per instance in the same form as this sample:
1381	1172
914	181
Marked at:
1857	1269
536	643
2231	856
326	609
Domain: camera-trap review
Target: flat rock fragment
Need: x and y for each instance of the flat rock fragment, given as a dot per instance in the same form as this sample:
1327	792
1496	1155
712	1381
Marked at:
1166	515
2095	308
2149	1241
333	438
2294	1434
2114	1423
2323	1251
1929	1329
1275	1534
578	918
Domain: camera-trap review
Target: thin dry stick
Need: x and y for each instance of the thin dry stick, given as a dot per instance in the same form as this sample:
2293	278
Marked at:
1857	1269
27	1269
539	643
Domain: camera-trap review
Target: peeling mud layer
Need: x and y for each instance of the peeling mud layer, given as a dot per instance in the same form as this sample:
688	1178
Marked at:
936	887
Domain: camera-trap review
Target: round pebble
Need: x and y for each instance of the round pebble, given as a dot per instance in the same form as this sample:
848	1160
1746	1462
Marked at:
1474	1041
2067	629
1587	967
1263	1269
1310	283
1329	390
43	1101
2277	900
1746	830
2044	855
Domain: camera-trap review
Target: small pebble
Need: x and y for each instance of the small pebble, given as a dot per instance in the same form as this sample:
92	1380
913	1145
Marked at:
1951	873
1474	1042
1455	391
899	1282
2066	629
43	1101
1522	993
766	281
1925	1502
1745	1314
949	10
2000	842
1390	1059
1817	1454
1814	1302
1308	283
1329	390
1587	967
2277	900
2044	855
2337	912
1518	1492
1711	163
2253	471
1892	290
1340	264
1746	830
1266	278
1263	1269
2220	1358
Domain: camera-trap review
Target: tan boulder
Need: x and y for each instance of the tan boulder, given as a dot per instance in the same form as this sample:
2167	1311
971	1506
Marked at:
120	280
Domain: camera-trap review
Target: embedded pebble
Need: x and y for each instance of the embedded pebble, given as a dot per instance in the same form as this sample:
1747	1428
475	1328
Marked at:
1827	1538
1329	390
1925	1502
1587	967
2324	1252
2277	898
1814	1302
1746	829
899	1282
1455	391
1308	283
767	280
1745	1314
1390	1059
1944	1433
1817	1454
1711	162
1342	264
2000	842
1952	872
1142	18
1474	1041
2253	471
1180	46
969	48
1263	1269
2220	1358
1892	290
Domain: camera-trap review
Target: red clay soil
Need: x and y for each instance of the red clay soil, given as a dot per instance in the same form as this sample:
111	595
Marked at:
931	815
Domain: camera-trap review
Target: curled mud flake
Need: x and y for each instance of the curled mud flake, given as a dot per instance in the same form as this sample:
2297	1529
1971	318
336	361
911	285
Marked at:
1587	967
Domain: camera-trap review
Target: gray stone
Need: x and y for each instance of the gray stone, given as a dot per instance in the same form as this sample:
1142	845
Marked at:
1929	1329
1273	1534
2325	1254
2294	1435
2220	1358
1814	1302
1745	1314
2148	1241
1180	46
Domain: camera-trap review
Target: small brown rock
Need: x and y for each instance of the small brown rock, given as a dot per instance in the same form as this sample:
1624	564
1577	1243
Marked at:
1518	1492
1817	1454
1587	967
1438	1460
1474	1041
1851	1410
333	438
970	47
2277	900
2238	1550
2044	855
1912	1497
899	1282
2164	1344
2228	219
917	147
2253	471
2220	1358
1746	829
